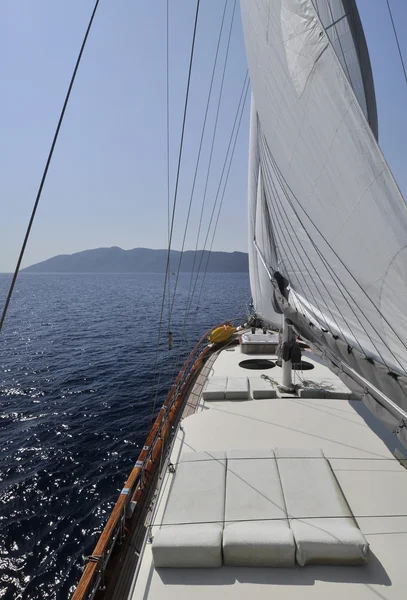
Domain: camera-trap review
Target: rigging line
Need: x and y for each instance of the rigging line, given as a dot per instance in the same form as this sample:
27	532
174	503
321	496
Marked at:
325	262
246	82
340	260
283	518
337	281
325	287
211	151
199	154
397	39
306	254
320	278
187	311
275	195
171	304
189	303
243	93
168	146
327	265
337	21
175	194
223	192
47	165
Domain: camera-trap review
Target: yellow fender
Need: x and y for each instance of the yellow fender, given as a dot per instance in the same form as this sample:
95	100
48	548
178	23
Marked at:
221	334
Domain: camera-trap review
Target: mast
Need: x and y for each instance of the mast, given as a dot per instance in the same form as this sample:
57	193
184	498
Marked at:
288	340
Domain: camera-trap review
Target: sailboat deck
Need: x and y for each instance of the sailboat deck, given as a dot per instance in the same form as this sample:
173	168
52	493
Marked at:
360	452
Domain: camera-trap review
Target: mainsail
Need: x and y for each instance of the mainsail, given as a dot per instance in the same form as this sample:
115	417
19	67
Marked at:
324	209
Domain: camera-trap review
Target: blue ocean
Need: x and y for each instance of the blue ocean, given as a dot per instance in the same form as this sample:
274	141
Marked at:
77	357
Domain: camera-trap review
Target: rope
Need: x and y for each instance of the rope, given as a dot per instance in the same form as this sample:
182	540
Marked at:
397	40
270	379
47	165
274	519
175	199
375	458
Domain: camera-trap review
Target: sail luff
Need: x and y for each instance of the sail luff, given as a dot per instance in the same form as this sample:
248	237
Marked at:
261	286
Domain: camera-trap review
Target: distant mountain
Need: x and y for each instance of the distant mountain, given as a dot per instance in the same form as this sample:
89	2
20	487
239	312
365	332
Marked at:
139	260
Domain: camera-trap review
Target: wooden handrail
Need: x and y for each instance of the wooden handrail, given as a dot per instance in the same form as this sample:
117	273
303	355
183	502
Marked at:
149	454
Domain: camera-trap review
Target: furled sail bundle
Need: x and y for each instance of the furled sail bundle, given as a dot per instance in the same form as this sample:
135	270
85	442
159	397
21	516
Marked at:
324	209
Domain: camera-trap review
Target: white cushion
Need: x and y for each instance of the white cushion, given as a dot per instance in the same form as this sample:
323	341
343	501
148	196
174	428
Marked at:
258	544
188	546
329	541
309	486
191	531
320	519
256	529
262	388
215	388
237	388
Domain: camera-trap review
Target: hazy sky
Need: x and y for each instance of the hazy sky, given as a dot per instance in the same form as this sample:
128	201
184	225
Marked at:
107	183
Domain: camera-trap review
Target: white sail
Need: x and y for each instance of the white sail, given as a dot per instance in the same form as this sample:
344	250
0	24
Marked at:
260	283
335	216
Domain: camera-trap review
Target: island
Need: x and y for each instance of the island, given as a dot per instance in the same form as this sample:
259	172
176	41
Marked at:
141	260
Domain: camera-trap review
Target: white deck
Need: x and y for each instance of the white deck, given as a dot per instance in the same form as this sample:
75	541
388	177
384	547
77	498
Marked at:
361	454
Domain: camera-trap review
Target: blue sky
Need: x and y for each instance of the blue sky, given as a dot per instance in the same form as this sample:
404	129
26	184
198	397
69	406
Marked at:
107	182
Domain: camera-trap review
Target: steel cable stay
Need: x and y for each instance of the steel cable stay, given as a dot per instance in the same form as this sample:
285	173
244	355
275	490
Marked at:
168	144
47	165
199	154
175	198
236	123
211	245
171	304
211	153
234	135
245	84
240	109
284	185
222	196
397	39
327	267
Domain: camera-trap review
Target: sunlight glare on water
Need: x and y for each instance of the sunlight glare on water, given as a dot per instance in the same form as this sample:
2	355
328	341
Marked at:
76	365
